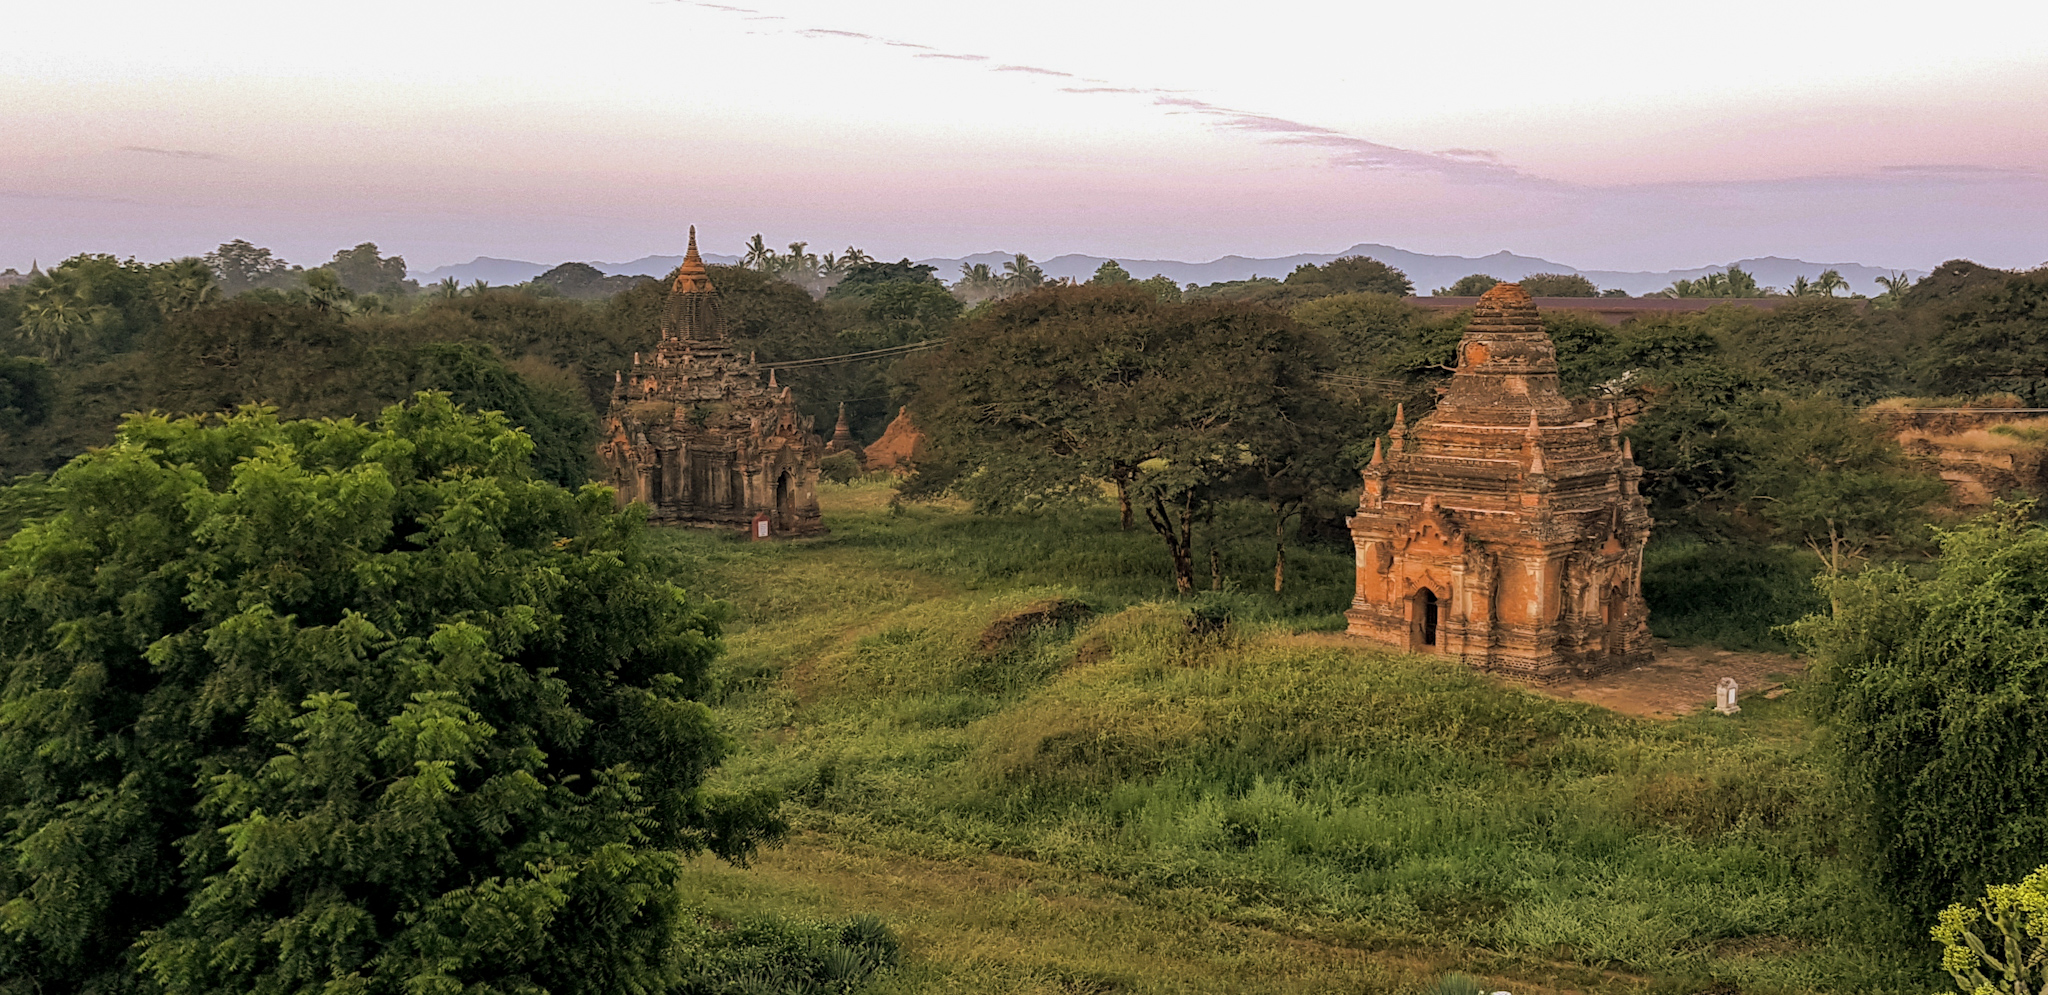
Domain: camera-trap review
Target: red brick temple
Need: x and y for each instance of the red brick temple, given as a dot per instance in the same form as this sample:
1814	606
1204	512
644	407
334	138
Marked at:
1505	529
697	435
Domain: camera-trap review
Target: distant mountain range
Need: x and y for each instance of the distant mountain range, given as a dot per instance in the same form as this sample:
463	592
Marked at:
503	271
1428	271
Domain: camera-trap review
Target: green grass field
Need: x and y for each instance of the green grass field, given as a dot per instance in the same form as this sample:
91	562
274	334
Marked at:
1137	801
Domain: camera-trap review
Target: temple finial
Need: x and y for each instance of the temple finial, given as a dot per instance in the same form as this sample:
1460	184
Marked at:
771	378
1535	430
1628	451
1377	458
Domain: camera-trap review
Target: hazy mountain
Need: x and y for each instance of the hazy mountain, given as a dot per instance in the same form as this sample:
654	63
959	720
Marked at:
1431	271
1428	271
504	271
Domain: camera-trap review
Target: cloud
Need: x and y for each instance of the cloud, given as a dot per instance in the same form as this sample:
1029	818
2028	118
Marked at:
1346	150
172	153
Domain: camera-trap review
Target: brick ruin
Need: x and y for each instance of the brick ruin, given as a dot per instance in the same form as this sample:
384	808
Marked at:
898	448
698	436
1505	529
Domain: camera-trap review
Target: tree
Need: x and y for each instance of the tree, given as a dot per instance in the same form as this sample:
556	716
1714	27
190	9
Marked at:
977	283
1558	285
26	393
1732	282
57	313
758	255
1162	287
1932	692
1109	273
356	708
183	285
241	266
1895	287
1351	275
1041	398
1468	286
1021	274
1829	480
1828	282
363	271
863	277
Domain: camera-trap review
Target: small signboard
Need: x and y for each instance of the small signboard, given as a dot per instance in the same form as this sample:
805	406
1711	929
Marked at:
760	530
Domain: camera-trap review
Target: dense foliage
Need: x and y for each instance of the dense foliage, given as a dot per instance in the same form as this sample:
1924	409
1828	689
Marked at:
318	705
1041	398
1934	691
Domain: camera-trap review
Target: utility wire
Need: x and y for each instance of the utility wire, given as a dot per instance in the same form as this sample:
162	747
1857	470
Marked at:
888	353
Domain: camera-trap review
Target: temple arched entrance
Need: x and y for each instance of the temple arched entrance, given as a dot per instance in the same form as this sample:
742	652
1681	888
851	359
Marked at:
1427	622
784	499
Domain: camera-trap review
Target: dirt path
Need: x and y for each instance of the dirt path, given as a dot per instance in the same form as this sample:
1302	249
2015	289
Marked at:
1680	680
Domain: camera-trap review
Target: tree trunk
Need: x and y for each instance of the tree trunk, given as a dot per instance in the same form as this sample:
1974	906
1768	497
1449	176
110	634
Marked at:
1180	542
1123	500
1279	553
1215	569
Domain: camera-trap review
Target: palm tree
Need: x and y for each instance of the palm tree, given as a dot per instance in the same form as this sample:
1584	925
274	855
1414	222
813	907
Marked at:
977	283
1895	287
183	285
799	267
1829	282
55	311
1801	286
476	288
1022	274
759	256
448	289
854	257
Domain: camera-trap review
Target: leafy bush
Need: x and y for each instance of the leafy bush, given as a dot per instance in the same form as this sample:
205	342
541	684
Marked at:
319	705
784	957
2017	915
1933	690
840	468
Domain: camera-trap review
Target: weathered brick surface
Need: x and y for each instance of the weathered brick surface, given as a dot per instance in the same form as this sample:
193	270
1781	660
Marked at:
694	432
1505	529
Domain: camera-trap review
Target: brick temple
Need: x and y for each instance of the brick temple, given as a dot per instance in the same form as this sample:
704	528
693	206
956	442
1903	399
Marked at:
696	433
1505	529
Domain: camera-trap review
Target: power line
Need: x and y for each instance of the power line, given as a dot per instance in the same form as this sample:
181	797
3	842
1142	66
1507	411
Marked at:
888	353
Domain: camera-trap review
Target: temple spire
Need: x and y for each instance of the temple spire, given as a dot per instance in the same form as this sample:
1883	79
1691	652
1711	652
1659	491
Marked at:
691	276
1377	458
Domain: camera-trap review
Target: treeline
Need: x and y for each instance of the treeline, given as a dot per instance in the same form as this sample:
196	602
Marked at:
96	336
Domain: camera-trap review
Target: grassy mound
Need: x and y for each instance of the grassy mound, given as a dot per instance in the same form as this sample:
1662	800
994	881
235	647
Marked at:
1220	794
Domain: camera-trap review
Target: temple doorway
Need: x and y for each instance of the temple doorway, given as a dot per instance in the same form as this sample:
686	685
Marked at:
1616	611
782	500
1425	616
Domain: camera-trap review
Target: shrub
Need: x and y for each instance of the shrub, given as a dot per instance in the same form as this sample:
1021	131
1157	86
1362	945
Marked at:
318	705
2017	919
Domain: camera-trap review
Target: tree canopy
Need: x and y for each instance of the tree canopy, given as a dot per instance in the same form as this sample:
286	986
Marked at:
1932	690
318	705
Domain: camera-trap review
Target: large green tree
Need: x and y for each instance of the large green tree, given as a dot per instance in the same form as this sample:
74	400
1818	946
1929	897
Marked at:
324	706
1042	398
1932	690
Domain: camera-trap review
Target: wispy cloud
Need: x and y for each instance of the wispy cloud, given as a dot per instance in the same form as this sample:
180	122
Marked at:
172	153
1346	150
1034	70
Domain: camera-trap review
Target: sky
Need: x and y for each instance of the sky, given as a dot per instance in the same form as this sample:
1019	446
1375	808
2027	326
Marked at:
1602	135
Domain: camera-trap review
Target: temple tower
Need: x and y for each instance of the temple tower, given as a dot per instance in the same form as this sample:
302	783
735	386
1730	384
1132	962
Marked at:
694	432
1505	528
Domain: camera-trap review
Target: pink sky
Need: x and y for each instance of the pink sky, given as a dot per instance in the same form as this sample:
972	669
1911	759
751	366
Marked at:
1600	135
